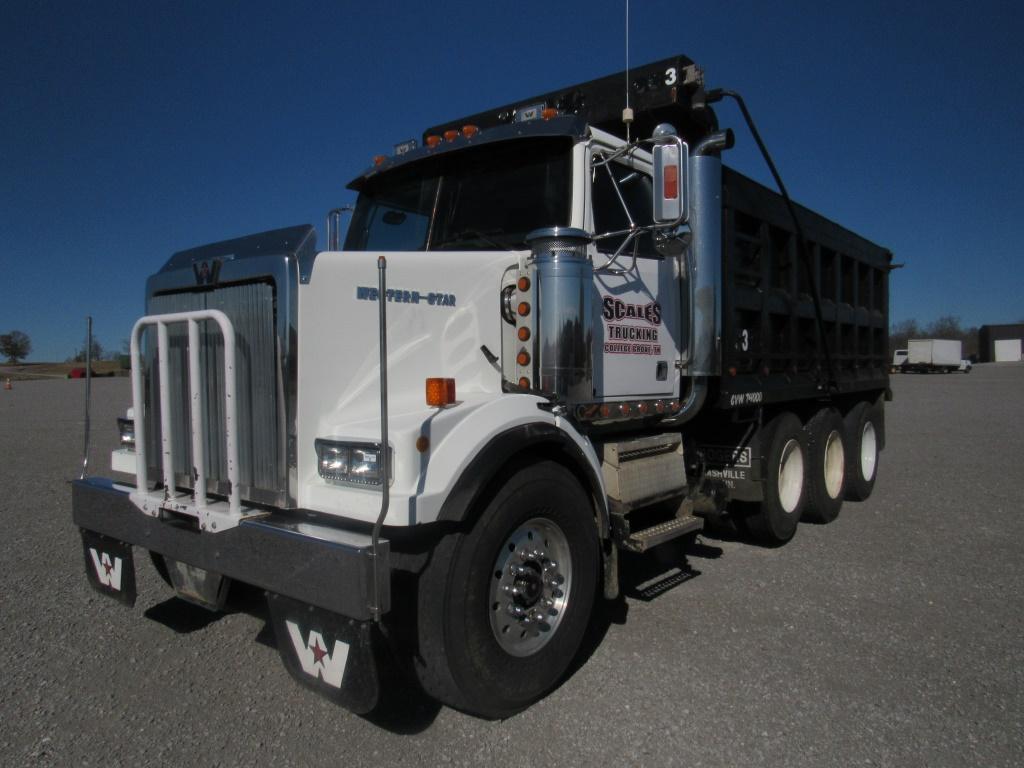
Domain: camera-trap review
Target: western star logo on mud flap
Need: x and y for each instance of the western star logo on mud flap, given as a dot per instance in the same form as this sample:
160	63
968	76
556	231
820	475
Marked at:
316	661
108	570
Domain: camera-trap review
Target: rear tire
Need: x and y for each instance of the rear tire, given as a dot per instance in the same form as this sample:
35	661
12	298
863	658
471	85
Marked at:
864	431
502	608
784	448
826	475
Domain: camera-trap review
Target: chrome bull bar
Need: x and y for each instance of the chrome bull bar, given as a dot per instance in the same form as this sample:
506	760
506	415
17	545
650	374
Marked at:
212	515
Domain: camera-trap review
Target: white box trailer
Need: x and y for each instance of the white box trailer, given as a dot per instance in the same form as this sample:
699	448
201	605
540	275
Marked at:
1007	350
926	355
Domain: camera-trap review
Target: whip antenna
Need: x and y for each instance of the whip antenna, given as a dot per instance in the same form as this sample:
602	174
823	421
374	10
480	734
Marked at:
627	113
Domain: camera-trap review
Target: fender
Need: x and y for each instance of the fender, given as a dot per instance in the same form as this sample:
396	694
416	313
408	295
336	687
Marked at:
490	459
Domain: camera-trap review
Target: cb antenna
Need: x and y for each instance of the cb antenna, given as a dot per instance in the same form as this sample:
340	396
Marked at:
627	113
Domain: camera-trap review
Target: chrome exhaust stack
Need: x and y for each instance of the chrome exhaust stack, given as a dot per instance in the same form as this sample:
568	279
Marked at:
704	267
562	362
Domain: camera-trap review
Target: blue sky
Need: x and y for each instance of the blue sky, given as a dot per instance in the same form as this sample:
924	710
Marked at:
132	130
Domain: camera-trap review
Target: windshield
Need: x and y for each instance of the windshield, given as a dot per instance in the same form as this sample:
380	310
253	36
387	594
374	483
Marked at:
482	198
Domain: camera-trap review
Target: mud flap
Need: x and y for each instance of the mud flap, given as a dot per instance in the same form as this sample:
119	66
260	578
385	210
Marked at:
109	566
334	655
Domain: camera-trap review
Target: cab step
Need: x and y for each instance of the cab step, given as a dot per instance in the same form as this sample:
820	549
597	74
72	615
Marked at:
646	538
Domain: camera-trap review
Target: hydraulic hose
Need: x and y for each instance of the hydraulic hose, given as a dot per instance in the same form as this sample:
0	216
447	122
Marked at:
718	94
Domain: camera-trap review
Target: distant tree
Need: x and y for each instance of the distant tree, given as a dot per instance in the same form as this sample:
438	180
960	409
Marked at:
15	346
946	327
97	351
900	333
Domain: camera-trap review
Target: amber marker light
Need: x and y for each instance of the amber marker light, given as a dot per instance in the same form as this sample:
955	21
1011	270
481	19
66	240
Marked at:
379	159
523	333
469	131
422	443
524	382
548	112
523	358
451	135
440	392
524	309
524	283
432	141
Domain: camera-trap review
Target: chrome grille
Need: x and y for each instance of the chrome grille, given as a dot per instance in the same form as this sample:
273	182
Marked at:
262	431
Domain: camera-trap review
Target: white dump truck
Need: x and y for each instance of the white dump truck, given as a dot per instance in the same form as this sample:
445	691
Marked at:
555	330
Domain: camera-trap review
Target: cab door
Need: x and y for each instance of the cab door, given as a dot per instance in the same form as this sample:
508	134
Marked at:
637	326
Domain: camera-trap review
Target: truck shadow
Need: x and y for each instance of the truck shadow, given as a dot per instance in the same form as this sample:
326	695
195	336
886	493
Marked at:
405	708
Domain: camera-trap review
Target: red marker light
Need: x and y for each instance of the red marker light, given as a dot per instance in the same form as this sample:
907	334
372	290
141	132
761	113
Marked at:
671	182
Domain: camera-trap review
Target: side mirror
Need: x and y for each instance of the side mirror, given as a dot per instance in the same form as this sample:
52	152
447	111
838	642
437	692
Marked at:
670	157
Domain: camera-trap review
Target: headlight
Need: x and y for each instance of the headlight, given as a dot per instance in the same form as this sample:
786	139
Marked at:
126	428
350	463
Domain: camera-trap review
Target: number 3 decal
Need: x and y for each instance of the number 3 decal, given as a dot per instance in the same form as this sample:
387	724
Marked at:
670	76
744	340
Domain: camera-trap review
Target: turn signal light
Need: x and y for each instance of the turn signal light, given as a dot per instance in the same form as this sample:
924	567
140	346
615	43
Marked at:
440	392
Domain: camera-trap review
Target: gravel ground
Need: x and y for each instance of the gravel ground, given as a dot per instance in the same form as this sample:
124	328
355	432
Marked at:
890	637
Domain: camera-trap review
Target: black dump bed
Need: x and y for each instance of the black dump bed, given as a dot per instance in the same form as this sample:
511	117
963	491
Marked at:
773	348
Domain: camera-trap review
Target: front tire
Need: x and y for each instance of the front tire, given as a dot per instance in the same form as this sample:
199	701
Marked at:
502	608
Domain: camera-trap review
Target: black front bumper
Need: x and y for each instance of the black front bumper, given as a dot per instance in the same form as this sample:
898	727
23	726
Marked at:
286	554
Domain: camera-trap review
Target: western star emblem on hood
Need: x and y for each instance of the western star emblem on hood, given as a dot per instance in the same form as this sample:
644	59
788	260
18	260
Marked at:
207	272
398	296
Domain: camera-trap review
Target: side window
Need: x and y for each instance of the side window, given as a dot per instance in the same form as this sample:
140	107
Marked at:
610	215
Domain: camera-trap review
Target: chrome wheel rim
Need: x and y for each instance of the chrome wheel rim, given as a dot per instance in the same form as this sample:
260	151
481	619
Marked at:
530	586
791	476
834	463
868	451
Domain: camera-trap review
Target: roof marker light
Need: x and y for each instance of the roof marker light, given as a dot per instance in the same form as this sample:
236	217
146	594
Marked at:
451	134
432	141
469	131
